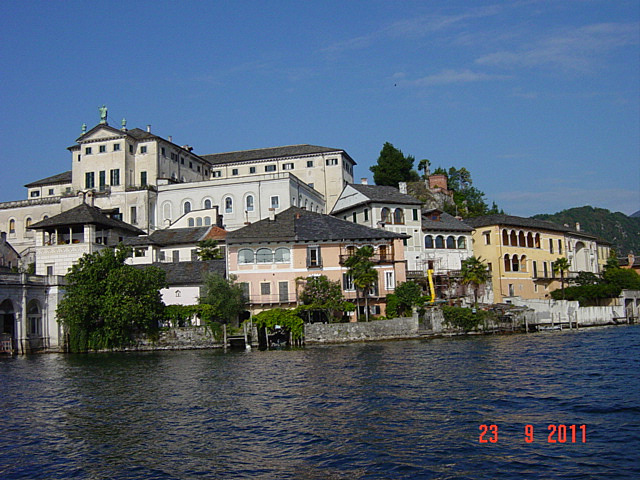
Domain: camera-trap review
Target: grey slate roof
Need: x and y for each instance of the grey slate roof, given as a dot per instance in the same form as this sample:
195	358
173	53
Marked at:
84	214
447	223
381	194
189	273
270	153
296	224
171	236
60	178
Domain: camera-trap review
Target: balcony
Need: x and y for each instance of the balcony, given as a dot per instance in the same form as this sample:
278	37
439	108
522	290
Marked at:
385	258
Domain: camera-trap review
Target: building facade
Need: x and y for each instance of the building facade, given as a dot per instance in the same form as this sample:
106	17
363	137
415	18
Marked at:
271	258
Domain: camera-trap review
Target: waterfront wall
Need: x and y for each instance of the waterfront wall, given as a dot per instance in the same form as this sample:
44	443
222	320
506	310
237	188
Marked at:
183	338
396	328
554	312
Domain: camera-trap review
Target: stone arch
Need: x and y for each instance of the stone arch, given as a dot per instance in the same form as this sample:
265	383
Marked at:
514	238
428	241
207	203
523	263
530	240
521	239
7	319
462	242
581	259
451	242
507	262
515	263
439	241
505	237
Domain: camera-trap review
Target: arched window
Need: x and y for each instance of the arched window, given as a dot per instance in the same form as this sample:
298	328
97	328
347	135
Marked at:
282	255
166	211
507	263
45	217
27	223
228	205
537	241
462	242
514	238
199	222
398	216
505	237
523	263
249	203
207	204
245	255
521	240
439	241
451	242
515	264
12	226
264	255
385	215
187	207
34	319
191	223
428	241
207	221
530	240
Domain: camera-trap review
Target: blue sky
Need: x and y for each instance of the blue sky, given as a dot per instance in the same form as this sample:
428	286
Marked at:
540	100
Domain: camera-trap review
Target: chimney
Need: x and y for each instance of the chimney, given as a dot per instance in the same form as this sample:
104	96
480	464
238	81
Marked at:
148	128
402	186
91	197
297	217
363	181
3	237
272	214
170	138
578	226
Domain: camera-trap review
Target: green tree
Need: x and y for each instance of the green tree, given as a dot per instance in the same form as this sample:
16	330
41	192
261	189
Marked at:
286	319
209	250
225	299
474	272
406	296
360	268
468	201
561	265
393	167
423	165
107	302
322	295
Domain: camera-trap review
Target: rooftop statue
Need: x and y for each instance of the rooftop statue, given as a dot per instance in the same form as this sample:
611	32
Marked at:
103	114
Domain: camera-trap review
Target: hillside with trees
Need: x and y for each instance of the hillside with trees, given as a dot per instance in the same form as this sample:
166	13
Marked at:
621	230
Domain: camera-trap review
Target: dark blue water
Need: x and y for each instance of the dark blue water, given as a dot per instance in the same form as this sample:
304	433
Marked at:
406	410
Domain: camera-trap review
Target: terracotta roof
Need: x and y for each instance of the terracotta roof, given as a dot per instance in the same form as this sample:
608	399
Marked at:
60	178
270	153
296	224
216	233
84	214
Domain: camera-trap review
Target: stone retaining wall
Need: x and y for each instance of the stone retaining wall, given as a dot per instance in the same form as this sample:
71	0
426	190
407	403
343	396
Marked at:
396	328
180	339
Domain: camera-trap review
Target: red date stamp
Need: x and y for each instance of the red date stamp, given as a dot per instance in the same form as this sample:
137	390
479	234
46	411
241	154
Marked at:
556	433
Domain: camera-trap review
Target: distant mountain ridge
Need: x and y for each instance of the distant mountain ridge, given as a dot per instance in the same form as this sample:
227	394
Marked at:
621	230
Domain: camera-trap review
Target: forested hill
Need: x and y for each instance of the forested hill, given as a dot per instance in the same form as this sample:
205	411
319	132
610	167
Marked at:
621	230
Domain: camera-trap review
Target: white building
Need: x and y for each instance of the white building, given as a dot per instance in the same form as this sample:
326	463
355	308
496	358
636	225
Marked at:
327	170
241	200
379	206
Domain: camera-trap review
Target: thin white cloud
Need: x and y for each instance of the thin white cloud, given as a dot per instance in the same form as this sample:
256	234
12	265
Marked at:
572	49
413	28
449	76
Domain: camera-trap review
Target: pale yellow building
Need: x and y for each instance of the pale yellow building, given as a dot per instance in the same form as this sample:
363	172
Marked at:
520	253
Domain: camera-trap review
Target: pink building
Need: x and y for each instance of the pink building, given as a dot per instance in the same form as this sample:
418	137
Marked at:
272	257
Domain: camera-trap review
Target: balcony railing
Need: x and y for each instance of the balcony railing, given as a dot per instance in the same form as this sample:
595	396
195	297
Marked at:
386	258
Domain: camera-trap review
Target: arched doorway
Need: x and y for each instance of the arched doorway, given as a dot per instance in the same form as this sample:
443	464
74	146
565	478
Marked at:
7	326
582	258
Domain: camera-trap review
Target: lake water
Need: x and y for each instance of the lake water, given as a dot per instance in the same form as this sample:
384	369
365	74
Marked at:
388	410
